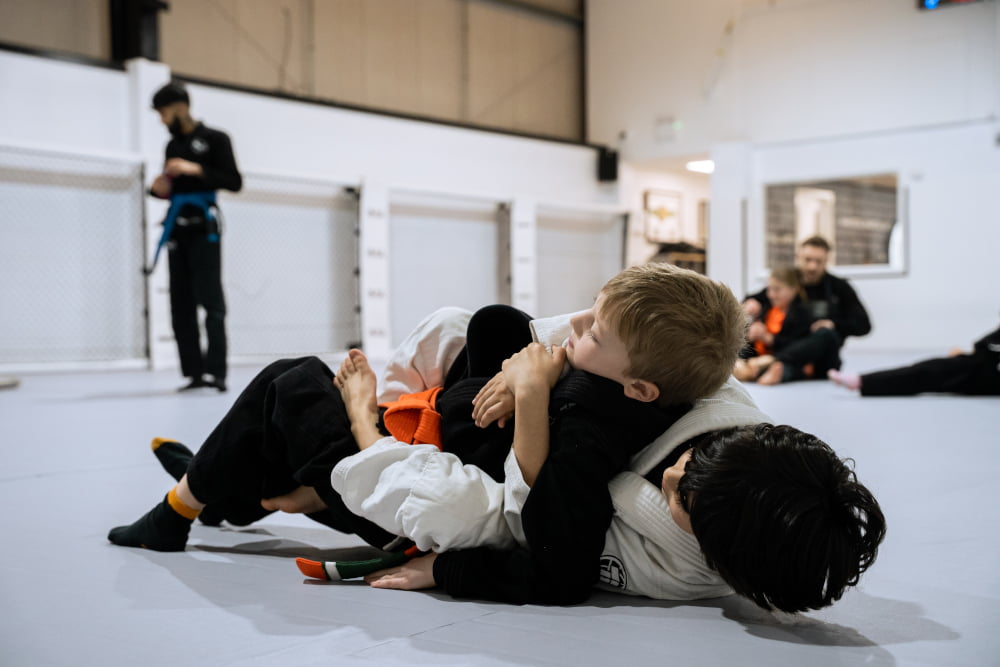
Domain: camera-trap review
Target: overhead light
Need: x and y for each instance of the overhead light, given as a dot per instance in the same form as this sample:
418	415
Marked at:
701	166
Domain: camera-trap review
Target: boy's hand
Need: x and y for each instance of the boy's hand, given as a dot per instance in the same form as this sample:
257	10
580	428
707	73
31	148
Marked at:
412	575
493	403
534	368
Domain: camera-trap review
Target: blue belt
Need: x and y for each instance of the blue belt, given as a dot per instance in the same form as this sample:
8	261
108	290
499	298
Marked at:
203	200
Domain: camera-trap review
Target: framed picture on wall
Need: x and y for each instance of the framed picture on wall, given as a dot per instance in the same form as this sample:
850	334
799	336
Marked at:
661	216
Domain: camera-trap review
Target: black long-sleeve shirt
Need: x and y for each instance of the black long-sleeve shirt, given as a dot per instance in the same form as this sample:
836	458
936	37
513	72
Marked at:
594	431
213	150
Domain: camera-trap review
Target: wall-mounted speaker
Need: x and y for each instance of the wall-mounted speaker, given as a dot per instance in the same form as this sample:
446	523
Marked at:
607	165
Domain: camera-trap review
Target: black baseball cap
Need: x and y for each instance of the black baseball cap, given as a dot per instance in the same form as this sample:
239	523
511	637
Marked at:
170	93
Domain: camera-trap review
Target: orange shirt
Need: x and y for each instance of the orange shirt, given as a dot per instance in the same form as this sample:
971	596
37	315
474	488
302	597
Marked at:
773	321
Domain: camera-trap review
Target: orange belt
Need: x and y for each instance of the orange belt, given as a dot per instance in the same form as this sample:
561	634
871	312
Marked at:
412	418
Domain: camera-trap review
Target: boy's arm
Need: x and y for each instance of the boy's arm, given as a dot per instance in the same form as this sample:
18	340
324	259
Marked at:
561	565
531	432
530	375
565	519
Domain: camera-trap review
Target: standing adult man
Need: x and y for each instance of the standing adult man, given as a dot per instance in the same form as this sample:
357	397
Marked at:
199	161
836	309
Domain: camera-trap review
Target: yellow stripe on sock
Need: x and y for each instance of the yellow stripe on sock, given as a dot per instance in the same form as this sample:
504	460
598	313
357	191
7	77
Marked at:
178	506
159	441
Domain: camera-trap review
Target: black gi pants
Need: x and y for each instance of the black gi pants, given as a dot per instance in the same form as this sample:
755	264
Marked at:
196	280
969	374
289	428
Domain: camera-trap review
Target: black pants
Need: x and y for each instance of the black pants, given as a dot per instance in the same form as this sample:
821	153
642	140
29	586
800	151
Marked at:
289	428
196	280
821	348
495	333
969	374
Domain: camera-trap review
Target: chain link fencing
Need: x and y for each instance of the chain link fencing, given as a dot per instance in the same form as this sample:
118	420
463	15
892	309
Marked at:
71	254
290	268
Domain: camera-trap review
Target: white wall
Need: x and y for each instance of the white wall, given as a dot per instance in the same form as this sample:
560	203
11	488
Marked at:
58	104
63	104
948	295
801	89
785	69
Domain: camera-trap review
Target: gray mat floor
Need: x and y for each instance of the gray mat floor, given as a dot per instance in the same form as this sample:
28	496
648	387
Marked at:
76	461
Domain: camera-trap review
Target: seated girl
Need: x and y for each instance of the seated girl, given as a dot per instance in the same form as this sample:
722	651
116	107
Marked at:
781	347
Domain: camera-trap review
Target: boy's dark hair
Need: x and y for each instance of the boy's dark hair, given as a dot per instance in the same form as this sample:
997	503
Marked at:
781	518
169	94
817	242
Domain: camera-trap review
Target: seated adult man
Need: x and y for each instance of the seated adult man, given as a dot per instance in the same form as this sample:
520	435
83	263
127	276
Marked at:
836	309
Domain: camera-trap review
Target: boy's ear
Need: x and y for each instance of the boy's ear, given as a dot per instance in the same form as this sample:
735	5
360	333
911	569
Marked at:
641	390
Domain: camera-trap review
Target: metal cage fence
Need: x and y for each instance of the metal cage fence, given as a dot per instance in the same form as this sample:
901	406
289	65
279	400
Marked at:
290	268
71	286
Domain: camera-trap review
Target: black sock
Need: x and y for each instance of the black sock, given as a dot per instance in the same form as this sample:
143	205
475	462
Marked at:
210	517
159	529
173	456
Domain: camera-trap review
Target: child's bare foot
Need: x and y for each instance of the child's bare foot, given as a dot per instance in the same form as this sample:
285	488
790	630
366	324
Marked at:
760	364
851	381
772	375
357	382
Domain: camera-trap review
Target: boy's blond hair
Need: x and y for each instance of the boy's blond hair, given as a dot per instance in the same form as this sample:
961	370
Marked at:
683	331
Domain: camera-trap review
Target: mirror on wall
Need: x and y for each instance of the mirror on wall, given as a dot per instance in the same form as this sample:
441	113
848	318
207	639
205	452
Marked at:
860	216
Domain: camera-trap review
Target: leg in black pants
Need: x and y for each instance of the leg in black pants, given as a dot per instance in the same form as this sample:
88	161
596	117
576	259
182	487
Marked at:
820	348
196	280
495	333
206	264
184	310
287	429
962	374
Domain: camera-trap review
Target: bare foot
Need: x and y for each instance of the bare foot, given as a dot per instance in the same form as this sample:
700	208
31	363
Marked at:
851	381
772	375
759	364
356	381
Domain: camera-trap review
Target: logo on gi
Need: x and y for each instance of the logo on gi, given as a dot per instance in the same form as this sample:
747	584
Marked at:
199	145
613	571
